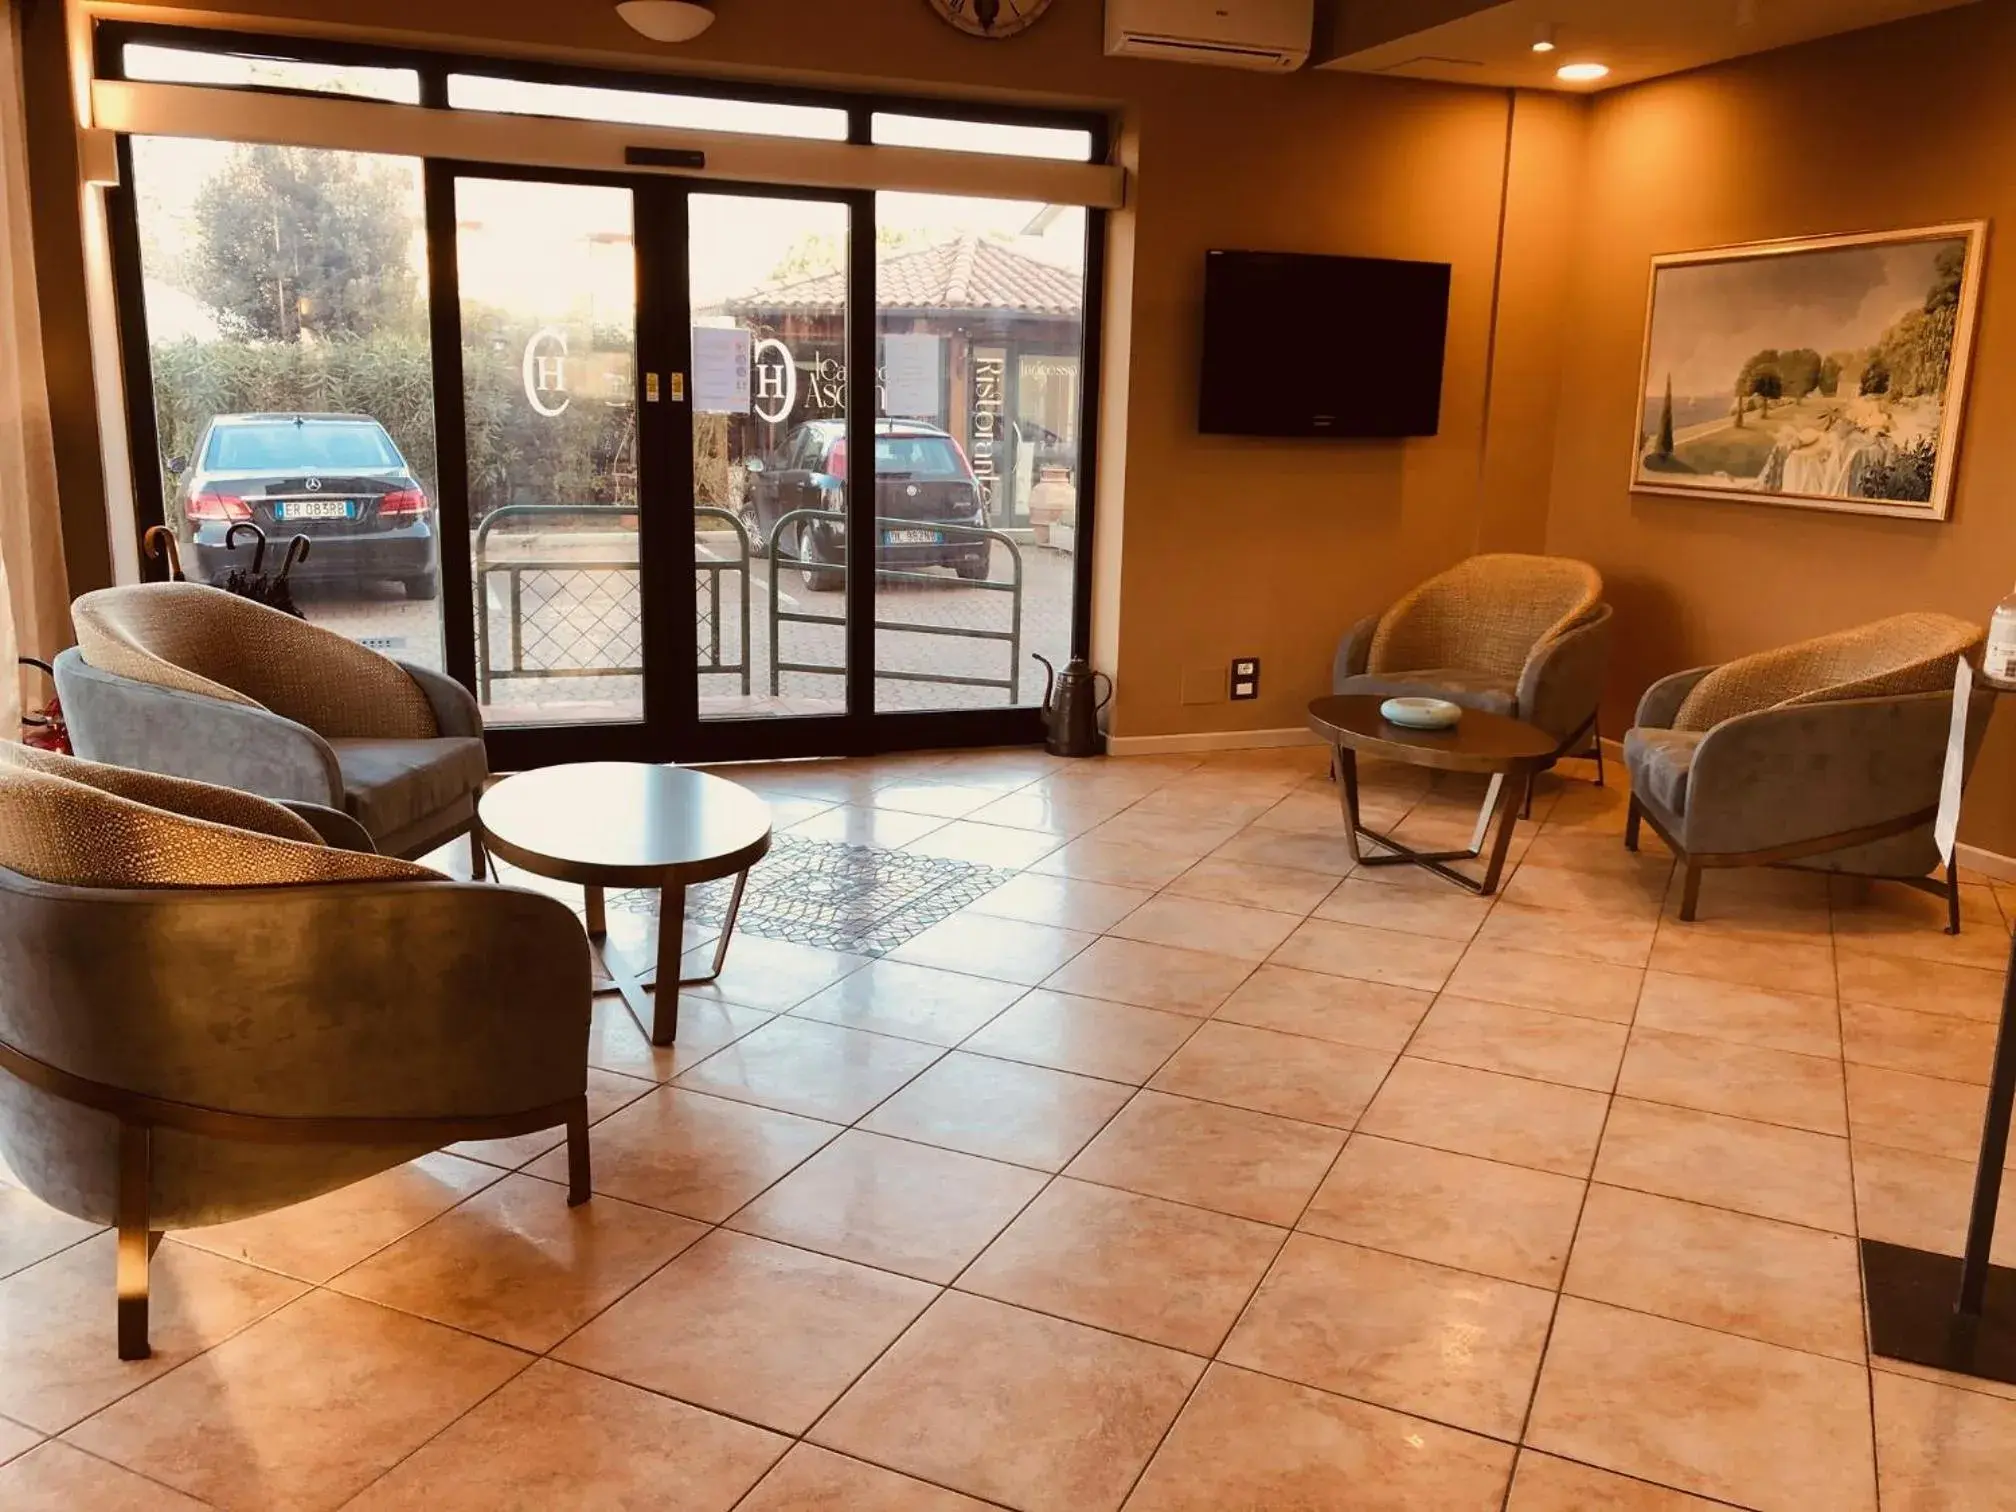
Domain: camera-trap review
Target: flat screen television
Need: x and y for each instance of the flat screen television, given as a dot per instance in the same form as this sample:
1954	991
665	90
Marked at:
1301	345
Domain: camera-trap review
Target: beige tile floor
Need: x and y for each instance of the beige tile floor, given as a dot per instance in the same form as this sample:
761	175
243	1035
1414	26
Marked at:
1192	1169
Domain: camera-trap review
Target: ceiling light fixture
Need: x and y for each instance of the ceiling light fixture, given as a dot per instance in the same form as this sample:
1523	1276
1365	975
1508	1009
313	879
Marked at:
667	20
1582	73
1543	37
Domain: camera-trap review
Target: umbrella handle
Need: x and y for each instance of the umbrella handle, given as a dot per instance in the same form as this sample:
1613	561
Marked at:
297	551
258	552
160	541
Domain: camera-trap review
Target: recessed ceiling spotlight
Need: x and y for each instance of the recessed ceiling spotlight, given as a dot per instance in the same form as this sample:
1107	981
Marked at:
667	20
1582	73
1543	37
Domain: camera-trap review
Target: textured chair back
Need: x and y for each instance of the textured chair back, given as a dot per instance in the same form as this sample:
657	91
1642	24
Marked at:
1907	653
1485	614
199	639
77	824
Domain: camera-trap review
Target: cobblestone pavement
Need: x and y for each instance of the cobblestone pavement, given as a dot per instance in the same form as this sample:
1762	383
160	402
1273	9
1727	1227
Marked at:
582	614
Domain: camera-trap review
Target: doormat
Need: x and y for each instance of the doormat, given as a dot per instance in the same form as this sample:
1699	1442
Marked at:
855	898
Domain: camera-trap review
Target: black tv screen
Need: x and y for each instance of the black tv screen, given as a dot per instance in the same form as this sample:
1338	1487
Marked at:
1299	345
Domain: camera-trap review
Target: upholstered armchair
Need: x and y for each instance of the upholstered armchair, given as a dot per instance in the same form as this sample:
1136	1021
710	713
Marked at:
190	681
1826	755
207	1014
1524	636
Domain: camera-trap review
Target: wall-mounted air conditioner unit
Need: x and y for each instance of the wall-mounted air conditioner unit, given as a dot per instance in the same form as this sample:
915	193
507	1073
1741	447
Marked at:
1270	35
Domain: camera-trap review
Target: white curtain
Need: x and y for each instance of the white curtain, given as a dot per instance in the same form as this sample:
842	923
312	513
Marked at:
34	616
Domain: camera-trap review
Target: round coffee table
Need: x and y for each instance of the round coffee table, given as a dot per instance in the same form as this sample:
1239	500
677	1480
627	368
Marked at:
1478	742
623	824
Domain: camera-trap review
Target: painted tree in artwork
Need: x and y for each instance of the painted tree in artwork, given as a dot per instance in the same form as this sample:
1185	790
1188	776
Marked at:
1665	444
1761	379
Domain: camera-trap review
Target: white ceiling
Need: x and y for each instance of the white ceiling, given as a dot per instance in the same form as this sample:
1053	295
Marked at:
1640	39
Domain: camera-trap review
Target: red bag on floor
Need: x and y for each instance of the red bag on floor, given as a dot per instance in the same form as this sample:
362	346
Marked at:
45	730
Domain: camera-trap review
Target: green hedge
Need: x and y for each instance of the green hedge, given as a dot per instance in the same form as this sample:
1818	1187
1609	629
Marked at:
587	455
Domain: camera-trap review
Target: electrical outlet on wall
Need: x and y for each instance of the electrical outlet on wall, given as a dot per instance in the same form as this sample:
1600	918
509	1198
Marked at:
1245	678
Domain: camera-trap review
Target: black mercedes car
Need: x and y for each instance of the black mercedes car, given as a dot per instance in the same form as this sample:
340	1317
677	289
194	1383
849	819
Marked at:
337	479
923	484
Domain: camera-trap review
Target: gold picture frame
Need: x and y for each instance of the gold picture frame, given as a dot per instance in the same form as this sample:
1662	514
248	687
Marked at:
1869	375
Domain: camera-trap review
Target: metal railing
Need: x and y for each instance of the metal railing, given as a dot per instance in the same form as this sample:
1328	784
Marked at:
562	635
708	582
780	616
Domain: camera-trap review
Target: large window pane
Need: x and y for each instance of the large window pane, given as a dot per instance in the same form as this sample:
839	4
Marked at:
770	466
637	107
285	292
981	330
188	65
549	316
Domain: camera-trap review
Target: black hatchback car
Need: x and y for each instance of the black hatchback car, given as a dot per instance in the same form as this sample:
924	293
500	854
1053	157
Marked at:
923	485
337	479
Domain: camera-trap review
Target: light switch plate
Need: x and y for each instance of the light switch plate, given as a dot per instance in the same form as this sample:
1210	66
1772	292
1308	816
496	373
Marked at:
1245	678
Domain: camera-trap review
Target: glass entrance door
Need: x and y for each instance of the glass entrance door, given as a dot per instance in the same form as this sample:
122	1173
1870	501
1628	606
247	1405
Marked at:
547	280
768	291
638	356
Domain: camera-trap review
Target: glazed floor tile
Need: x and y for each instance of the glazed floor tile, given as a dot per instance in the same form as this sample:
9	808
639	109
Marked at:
1191	1168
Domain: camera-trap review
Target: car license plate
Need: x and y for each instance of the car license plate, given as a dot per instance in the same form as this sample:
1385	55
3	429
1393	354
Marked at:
314	509
912	537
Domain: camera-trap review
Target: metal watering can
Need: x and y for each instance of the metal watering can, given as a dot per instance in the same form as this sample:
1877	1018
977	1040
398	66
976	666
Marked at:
1071	707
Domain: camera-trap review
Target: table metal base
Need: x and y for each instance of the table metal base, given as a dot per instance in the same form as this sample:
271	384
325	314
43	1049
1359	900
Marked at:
1912	1315
656	1013
1501	804
1957	1314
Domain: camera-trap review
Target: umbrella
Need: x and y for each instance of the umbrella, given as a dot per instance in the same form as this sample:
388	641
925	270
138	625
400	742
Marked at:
257	585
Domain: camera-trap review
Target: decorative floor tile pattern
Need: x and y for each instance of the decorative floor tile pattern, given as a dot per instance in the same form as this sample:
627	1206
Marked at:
1183	1170
861	899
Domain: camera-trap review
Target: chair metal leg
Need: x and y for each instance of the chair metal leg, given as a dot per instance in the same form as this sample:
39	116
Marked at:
578	1175
1596	741
1633	817
136	1241
479	854
1953	894
1690	893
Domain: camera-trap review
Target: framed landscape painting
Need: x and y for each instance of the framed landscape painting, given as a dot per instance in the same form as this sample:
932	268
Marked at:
1828	373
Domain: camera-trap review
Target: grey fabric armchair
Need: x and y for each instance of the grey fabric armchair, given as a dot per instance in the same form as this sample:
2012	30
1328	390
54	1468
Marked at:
190	681
209	1015
1827	755
1524	636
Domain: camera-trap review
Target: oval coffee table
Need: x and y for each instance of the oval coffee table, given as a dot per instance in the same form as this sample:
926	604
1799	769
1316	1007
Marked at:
1478	742
624	824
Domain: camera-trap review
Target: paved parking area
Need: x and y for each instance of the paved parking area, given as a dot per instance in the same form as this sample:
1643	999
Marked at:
577	612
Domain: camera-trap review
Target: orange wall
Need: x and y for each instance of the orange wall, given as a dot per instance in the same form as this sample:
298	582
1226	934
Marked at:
1904	125
1224	548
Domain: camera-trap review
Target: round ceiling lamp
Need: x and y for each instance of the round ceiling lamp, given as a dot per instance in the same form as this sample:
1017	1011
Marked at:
667	20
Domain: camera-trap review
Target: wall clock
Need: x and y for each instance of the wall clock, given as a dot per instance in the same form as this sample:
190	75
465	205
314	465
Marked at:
991	18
